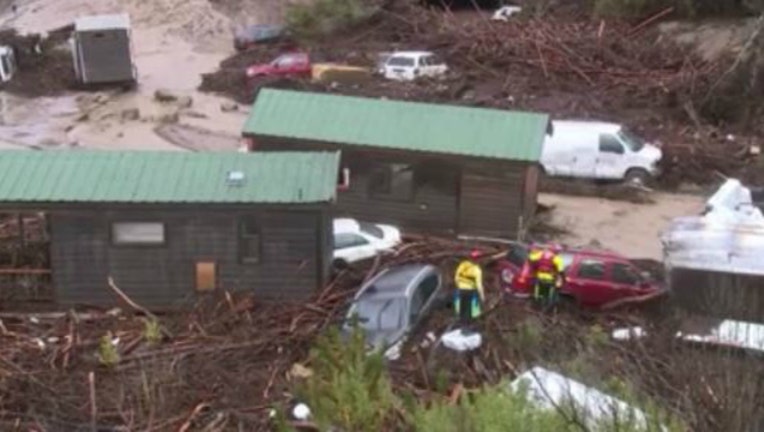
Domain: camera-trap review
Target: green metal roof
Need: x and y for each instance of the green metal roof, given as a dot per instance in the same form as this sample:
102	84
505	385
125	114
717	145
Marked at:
400	125
167	177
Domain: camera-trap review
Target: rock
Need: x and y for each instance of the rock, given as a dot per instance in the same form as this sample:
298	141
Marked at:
162	95
169	118
229	106
300	371
194	114
185	101
131	114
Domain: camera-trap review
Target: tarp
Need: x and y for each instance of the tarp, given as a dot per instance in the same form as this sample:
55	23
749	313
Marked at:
728	237
550	390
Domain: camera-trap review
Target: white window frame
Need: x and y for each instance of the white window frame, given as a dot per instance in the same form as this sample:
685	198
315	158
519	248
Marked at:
156	235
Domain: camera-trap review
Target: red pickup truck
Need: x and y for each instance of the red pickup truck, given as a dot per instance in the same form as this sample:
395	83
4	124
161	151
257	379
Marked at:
593	278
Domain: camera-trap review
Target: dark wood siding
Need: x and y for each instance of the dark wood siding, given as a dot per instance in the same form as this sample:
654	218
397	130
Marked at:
79	258
492	207
293	255
432	208
530	192
106	55
491	201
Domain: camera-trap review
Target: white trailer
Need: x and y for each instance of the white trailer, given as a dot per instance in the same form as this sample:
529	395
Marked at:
102	50
715	261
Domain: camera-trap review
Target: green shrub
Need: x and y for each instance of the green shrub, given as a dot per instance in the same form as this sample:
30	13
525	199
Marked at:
322	17
152	331
107	352
349	388
488	410
497	409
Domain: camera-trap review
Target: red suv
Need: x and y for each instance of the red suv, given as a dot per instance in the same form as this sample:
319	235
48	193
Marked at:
289	64
593	278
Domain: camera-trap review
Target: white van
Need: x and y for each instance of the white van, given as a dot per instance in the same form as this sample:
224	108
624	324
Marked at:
598	150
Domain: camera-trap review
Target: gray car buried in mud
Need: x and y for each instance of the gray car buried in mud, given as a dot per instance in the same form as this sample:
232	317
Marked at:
392	304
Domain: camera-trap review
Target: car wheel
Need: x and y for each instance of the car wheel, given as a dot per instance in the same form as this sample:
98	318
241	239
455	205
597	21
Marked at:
339	264
637	177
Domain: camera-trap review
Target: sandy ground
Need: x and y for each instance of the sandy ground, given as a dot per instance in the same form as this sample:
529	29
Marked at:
174	41
631	229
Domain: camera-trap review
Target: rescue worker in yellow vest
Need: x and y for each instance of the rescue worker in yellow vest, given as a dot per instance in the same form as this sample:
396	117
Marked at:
547	271
469	288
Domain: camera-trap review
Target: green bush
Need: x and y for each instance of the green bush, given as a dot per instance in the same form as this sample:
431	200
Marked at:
152	331
488	410
107	352
322	17
497	409
349	388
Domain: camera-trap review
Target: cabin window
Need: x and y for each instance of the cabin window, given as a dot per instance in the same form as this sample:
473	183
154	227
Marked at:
249	240
138	233
392	181
343	180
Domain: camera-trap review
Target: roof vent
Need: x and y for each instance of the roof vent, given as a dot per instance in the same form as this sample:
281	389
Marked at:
235	178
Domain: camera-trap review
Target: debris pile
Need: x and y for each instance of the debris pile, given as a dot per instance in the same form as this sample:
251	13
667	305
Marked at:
233	358
572	68
44	63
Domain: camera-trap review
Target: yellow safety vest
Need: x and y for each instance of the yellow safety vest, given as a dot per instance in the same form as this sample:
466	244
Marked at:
468	276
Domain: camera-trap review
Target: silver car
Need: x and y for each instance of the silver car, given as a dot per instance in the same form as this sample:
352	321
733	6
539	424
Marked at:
390	305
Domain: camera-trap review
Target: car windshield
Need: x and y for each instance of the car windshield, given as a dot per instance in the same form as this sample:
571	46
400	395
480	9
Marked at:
400	61
633	142
379	313
371	229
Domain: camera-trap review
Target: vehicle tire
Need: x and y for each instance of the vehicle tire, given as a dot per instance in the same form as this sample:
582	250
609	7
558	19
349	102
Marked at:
637	177
339	264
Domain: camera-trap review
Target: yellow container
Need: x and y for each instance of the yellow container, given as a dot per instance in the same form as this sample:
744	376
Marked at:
327	72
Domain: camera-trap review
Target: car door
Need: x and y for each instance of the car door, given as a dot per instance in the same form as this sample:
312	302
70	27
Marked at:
588	282
626	281
285	65
352	247
583	160
610	157
423	298
301	64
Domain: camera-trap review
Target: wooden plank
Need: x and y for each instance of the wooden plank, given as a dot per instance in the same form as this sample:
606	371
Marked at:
23	271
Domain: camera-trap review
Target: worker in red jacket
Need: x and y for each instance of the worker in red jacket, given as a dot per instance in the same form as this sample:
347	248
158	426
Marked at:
547	270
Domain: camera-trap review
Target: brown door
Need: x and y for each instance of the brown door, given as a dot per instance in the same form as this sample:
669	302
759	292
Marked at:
206	276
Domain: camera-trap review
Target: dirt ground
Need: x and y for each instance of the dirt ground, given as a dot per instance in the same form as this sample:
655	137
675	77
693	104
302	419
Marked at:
174	42
629	228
